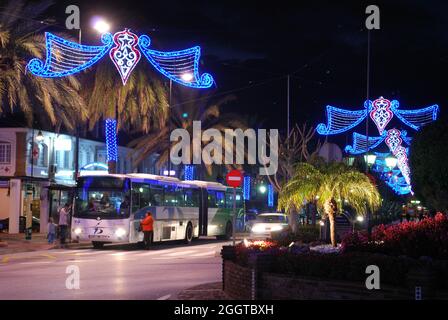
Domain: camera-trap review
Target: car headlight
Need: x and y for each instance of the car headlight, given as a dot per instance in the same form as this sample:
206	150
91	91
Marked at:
276	228
78	231
120	232
257	228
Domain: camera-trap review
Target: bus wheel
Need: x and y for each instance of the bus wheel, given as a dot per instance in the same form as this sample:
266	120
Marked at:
97	245
189	233
228	234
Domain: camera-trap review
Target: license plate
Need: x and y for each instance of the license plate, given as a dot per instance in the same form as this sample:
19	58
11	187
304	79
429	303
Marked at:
98	237
267	229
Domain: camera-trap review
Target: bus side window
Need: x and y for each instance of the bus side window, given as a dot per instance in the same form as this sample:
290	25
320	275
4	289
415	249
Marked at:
173	196
191	198
211	199
229	200
220	199
156	195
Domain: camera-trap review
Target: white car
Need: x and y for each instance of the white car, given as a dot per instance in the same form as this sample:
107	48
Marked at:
266	224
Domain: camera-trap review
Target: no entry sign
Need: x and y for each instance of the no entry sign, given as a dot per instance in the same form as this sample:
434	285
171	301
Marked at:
234	178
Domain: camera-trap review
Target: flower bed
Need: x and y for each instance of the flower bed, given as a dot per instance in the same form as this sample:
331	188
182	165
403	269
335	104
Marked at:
428	237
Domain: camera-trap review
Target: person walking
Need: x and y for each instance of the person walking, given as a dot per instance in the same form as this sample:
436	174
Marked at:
147	228
63	222
51	230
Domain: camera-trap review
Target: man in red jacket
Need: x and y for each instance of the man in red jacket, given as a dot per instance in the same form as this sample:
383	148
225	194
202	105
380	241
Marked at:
148	228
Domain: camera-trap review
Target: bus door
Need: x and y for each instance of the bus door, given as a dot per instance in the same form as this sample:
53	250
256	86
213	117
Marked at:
203	212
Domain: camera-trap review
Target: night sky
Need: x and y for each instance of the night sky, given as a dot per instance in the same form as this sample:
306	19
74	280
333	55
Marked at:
250	47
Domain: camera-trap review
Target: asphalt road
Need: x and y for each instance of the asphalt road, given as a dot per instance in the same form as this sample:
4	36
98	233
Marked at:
115	272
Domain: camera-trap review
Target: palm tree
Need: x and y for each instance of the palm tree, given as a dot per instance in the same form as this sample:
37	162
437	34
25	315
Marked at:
56	100
332	185
197	107
138	106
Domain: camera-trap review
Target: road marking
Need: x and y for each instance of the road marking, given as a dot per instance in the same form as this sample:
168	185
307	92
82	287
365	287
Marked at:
49	256
35	262
85	253
5	259
119	253
208	253
166	297
179	253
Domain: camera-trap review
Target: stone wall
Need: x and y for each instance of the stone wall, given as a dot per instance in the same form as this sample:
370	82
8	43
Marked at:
274	287
237	281
257	282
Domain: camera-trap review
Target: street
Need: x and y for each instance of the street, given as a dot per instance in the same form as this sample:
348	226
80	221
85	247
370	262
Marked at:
116	272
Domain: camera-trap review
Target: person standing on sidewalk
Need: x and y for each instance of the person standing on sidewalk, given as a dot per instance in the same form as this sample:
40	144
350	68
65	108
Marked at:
51	228
148	228
63	222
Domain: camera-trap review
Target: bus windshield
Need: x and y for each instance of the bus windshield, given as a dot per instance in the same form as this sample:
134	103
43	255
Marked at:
95	200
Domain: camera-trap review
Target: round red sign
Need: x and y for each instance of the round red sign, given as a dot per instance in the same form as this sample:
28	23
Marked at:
234	178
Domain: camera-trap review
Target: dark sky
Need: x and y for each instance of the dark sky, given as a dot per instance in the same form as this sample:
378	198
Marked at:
251	46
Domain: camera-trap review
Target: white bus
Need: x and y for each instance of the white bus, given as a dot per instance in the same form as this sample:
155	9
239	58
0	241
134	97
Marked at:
108	208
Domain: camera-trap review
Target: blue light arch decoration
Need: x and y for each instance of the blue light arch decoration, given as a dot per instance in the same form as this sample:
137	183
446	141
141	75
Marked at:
125	48
381	111
65	58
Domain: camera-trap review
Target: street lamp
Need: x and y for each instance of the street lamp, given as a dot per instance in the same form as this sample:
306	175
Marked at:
359	219
40	136
187	77
391	162
370	158
262	188
100	25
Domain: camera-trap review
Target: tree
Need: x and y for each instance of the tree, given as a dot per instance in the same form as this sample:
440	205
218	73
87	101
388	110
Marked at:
197	106
292	149
54	100
428	157
331	185
138	106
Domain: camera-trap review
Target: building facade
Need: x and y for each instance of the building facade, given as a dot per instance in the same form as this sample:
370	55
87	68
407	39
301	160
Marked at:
37	171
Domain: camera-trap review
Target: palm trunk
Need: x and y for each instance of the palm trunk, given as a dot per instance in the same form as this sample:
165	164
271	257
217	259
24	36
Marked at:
330	210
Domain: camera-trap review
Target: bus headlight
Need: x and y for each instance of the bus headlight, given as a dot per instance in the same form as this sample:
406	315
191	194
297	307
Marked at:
78	231
120	232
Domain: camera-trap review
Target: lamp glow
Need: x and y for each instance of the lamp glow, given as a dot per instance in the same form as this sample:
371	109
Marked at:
391	162
187	77
360	218
101	25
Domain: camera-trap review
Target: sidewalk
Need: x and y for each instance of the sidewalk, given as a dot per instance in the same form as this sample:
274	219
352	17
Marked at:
14	243
207	291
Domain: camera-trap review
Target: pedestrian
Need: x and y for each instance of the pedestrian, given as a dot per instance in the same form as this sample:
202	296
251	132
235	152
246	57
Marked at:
51	230
63	222
147	228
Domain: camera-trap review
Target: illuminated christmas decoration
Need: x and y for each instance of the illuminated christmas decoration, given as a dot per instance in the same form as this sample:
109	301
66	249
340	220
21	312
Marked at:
246	187
393	139
341	120
124	55
270	196
111	140
360	143
381	111
65	58
189	172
